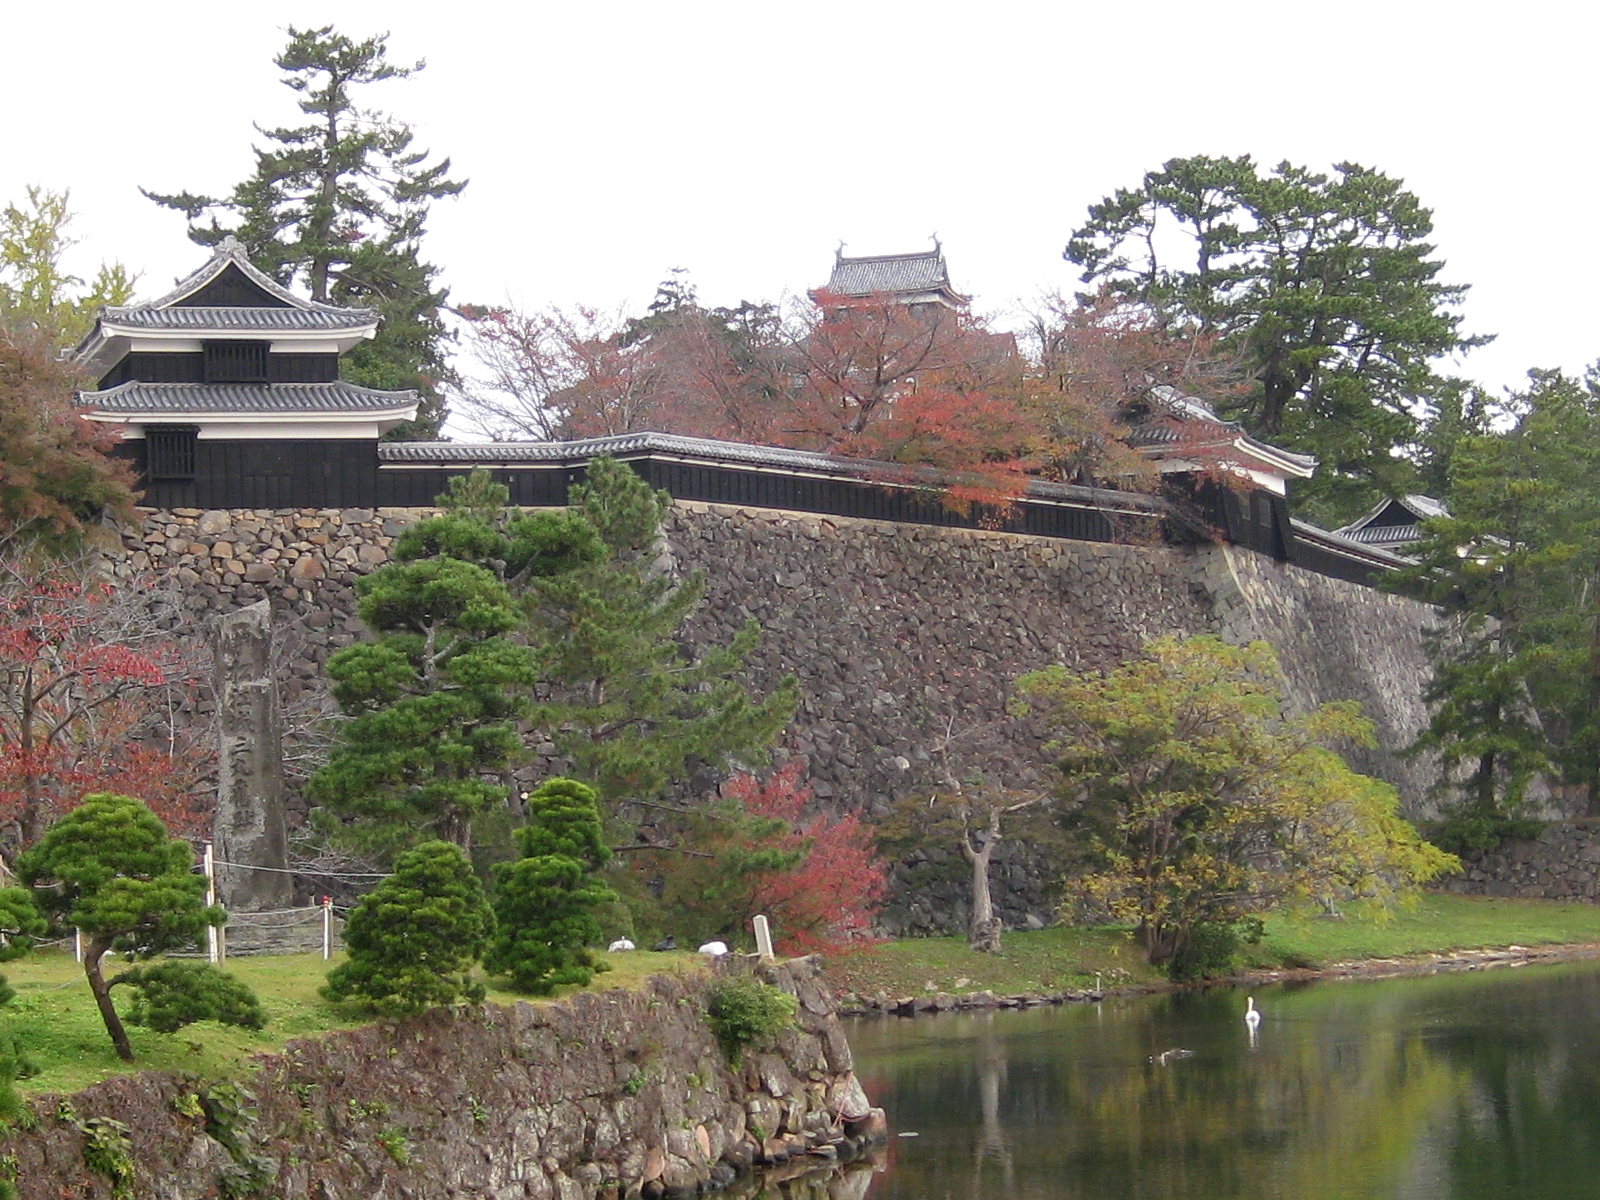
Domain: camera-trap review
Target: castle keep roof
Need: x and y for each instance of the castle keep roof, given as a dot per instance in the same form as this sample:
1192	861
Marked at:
919	278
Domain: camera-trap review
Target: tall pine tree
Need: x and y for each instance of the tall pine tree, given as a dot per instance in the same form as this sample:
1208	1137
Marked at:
435	697
1516	682
1324	285
339	206
625	704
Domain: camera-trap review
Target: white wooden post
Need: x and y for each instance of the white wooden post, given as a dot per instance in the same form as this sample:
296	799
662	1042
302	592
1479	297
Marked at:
213	941
763	937
77	944
327	928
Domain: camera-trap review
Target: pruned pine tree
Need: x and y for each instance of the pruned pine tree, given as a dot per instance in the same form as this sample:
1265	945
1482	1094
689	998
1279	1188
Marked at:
627	705
340	206
413	939
433	699
481	605
20	924
170	995
545	901
110	870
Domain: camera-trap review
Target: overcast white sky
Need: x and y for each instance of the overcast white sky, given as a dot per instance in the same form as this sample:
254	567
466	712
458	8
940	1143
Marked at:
609	142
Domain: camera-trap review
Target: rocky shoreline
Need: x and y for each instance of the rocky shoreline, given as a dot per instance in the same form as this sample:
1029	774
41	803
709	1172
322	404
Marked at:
621	1095
883	1005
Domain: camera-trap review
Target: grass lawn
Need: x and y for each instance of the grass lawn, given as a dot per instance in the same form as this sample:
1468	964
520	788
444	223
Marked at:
1440	923
1068	958
55	1020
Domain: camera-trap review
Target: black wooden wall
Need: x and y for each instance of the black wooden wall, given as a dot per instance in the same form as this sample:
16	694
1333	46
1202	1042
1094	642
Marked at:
346	474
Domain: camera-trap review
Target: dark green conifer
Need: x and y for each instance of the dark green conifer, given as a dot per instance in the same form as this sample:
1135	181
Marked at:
544	904
626	705
110	870
434	699
413	939
170	995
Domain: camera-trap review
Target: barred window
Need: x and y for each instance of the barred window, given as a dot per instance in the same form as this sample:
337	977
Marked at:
169	453
236	362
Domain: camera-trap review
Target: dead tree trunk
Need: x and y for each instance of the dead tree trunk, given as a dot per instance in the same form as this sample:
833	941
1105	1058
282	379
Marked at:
983	931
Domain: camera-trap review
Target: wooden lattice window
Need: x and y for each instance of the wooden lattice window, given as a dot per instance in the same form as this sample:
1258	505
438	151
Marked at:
169	453
236	362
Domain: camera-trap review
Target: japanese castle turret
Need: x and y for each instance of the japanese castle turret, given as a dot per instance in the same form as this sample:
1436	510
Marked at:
919	280
228	392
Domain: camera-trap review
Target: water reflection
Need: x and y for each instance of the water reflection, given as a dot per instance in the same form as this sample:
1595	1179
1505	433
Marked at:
1469	1086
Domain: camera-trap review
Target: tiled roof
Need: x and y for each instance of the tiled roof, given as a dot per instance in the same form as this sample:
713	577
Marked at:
1384	535
1416	508
199	318
1156	433
274	398
892	273
626	443
1348	547
229	252
1190	421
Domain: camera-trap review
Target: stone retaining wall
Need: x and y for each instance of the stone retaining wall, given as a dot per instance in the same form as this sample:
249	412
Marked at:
906	639
621	1094
1562	863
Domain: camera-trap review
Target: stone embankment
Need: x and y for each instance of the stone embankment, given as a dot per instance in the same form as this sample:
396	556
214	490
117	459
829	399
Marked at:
601	1097
906	639
1562	863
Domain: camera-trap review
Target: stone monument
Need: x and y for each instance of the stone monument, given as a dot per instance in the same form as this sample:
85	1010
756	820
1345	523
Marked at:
250	806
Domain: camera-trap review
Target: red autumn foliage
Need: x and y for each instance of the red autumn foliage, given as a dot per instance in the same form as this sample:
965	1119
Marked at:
82	710
930	394
833	895
1101	366
55	471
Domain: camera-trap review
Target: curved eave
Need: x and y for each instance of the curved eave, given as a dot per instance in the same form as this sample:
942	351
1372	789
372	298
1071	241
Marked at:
108	341
110	327
1247	450
170	416
269	410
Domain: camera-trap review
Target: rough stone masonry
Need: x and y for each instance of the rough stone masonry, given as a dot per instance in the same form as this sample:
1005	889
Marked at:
604	1096
902	636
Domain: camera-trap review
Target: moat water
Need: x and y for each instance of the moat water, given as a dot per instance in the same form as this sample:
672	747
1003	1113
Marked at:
1455	1087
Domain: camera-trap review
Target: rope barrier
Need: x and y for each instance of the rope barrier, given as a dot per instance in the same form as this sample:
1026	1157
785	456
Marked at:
274	912
342	875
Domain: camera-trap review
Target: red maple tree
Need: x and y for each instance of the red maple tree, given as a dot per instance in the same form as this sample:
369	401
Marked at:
56	473
1101	366
833	895
84	709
